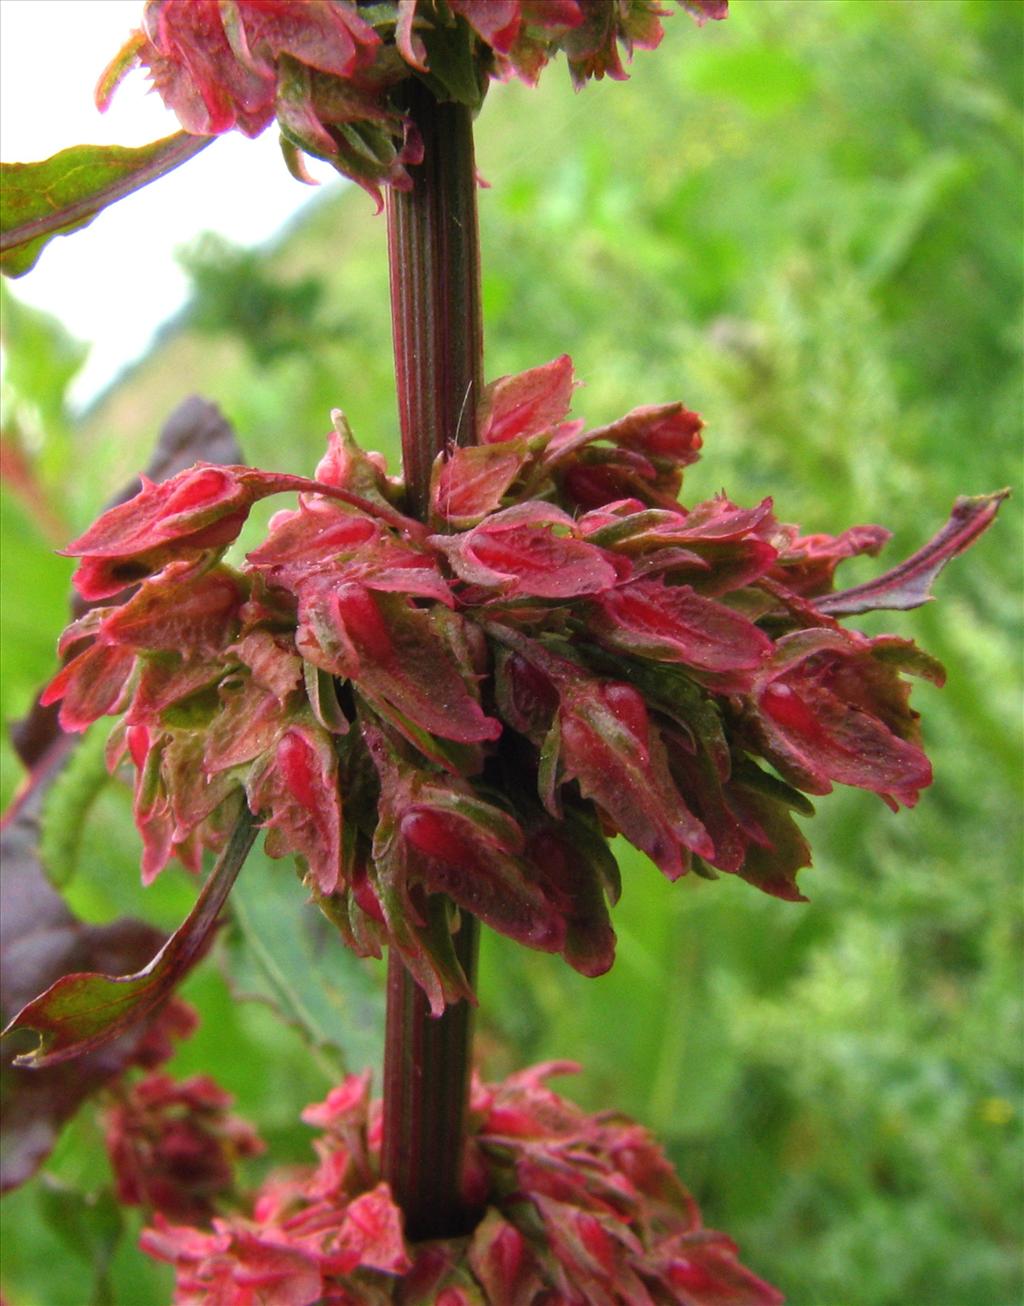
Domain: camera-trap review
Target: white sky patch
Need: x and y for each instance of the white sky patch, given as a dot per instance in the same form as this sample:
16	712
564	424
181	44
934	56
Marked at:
114	283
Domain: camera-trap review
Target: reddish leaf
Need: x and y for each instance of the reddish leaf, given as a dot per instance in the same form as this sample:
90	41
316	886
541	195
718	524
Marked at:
530	403
296	785
608	746
909	584
518	549
472	481
398	657
831	706
667	431
807	564
90	685
671	623
191	614
85	1011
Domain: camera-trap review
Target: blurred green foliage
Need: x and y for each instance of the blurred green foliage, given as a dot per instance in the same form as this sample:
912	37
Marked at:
805	223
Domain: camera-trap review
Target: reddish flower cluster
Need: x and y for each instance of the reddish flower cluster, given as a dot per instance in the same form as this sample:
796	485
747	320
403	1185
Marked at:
173	1145
471	706
324	68
580	1211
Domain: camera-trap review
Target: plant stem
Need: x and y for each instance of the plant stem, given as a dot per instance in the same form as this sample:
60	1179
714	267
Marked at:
433	253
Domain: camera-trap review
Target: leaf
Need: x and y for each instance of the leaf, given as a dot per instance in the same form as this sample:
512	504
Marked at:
282	952
64	193
40	940
909	584
86	1010
529	403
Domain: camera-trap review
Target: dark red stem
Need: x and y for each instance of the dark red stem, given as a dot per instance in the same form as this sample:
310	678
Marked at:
434	255
436	321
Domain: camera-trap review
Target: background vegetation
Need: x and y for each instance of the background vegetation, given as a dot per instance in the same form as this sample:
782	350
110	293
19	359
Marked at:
806	224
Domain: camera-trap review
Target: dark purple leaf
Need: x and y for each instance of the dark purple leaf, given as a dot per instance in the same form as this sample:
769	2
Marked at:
39	941
85	1010
909	584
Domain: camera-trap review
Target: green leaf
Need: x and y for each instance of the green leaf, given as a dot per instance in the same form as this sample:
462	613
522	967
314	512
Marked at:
86	1010
284	953
64	193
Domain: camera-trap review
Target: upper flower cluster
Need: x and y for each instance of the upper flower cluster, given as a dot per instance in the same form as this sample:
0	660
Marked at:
470	706
580	1211
325	69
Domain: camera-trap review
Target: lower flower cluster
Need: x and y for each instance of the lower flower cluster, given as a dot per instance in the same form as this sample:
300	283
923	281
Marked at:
577	1210
464	710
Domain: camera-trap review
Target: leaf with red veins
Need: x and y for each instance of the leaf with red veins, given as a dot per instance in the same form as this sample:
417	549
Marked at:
659	431
453	844
830	707
718	519
449	840
339	553
601	476
330	37
608	746
702	1266
572	866
181	612
170	510
250	721
746	816
371	1233
721	553
529	403
807	563
496	22
909	584
391	566
167	679
471	481
503	1263
84	1011
527	698
91	685
315	531
672	623
272	660
237	1265
294	788
777	849
396	656
101	578
518	549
